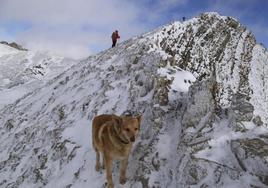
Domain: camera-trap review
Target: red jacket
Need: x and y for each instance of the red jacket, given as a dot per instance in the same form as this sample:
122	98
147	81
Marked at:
115	36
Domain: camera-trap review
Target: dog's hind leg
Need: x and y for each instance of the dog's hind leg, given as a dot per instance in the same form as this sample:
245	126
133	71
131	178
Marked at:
108	166
97	167
103	162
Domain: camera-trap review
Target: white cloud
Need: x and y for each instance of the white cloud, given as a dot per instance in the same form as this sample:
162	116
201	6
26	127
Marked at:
75	51
60	25
64	40
76	12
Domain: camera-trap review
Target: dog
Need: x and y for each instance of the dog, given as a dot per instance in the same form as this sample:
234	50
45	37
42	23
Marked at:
113	137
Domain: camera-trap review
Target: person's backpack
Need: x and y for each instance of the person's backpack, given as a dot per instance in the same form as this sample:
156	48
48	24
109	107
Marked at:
113	35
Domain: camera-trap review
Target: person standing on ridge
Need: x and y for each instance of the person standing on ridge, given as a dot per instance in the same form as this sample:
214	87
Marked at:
115	36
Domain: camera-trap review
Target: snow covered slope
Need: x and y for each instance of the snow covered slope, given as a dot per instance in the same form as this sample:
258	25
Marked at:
201	87
24	71
4	50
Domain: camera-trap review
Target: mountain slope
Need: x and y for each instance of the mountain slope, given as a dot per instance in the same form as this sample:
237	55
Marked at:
4	50
201	88
24	71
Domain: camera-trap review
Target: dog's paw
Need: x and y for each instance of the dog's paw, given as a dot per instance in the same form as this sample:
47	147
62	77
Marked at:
110	185
122	180
97	168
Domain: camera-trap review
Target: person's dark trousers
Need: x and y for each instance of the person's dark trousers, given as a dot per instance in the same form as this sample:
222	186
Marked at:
114	43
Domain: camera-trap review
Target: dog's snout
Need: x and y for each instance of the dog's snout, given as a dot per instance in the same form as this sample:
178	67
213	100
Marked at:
132	139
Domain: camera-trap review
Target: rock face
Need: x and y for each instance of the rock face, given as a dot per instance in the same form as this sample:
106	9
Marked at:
14	45
201	87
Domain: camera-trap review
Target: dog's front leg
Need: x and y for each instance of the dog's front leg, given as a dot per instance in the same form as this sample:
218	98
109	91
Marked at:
123	168
103	162
108	166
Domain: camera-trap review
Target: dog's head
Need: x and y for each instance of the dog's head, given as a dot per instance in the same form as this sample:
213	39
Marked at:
128	127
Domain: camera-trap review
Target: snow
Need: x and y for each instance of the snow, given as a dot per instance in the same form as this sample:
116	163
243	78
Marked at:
219	150
260	88
182	79
164	145
6	50
9	96
77	125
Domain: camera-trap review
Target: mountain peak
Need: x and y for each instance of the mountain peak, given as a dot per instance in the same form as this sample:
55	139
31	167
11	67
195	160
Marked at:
14	45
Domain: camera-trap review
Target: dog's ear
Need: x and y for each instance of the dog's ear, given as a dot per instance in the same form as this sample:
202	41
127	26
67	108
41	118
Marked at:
118	121
139	117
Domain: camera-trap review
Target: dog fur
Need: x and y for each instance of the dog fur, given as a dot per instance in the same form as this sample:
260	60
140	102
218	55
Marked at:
113	137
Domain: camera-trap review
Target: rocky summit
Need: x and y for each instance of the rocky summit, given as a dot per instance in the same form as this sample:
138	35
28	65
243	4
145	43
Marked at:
201	87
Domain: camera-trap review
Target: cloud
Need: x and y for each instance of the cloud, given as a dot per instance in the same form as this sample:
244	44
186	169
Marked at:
72	50
95	12
63	25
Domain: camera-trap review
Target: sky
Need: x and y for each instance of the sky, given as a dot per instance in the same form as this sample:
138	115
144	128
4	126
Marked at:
80	28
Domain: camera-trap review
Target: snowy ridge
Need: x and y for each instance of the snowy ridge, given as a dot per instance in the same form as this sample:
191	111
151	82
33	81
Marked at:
201	87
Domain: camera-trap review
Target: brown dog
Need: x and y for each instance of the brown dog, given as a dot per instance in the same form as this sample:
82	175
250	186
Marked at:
113	136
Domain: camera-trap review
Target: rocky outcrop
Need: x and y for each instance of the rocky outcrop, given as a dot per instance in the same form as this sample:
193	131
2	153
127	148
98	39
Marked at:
252	156
14	45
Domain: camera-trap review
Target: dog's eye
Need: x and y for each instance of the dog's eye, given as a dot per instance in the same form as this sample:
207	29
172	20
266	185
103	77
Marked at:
136	129
127	129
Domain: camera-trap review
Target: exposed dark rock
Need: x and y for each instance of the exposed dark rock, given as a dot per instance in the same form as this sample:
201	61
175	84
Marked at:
251	155
243	110
14	45
257	120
